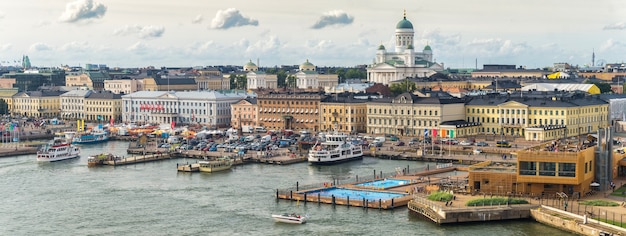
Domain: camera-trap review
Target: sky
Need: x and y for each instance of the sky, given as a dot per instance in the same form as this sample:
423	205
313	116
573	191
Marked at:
183	33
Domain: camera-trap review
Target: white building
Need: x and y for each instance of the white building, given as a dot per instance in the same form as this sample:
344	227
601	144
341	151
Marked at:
308	78
73	104
259	79
210	108
405	61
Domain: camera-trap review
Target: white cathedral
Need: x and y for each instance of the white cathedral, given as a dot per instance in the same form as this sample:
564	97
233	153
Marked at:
306	77
405	61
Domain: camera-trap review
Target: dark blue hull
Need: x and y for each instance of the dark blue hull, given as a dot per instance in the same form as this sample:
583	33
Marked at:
335	161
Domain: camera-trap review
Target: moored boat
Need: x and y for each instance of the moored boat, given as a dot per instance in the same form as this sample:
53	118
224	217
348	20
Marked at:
334	149
57	150
292	218
90	137
99	160
216	165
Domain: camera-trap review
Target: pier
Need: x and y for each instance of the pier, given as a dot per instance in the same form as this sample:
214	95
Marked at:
136	159
194	167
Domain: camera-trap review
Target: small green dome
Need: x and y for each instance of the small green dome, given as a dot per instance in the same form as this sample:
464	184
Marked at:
427	48
307	66
404	24
381	47
250	63
250	66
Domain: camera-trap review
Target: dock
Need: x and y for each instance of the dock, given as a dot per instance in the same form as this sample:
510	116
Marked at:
137	159
278	160
194	167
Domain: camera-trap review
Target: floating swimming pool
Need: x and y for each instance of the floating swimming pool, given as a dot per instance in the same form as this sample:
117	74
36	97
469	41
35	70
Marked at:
355	194
384	183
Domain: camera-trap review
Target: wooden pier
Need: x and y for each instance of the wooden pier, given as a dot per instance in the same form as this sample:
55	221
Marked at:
194	167
137	159
278	160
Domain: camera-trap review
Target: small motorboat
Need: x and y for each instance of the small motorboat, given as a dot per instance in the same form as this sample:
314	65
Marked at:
292	218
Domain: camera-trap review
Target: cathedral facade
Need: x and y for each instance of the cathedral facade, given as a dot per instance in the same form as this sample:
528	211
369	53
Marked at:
404	61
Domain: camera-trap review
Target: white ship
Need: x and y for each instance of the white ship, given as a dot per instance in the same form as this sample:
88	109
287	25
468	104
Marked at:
334	149
59	149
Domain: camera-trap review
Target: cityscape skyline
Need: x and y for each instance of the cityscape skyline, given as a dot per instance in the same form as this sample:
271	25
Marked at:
161	33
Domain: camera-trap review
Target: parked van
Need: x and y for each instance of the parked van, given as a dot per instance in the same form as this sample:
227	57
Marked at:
260	129
266	138
503	143
380	139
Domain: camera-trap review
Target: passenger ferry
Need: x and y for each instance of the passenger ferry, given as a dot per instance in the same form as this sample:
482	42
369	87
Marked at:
334	149
89	137
214	166
59	149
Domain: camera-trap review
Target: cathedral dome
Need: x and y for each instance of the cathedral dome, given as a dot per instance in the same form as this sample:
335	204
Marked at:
307	66
427	48
404	24
250	66
381	47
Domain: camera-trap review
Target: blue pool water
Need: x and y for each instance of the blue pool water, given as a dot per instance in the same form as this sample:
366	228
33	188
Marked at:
385	183
355	194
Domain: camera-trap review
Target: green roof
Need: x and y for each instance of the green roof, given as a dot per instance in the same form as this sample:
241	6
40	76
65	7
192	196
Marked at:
381	47
427	48
404	24
250	63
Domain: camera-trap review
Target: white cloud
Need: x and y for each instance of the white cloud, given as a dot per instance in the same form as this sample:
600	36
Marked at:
229	18
615	26
270	44
335	17
38	47
612	45
80	10
139	48
144	32
197	20
76	47
5	47
1	15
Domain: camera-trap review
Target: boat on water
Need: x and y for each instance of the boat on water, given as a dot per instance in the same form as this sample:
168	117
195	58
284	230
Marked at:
89	137
292	218
216	165
57	150
334	149
99	159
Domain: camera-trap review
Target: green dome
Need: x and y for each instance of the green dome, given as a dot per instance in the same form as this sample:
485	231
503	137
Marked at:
427	48
250	63
381	47
404	24
307	66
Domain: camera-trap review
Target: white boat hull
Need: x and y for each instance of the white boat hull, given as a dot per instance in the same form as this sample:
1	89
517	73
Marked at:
289	219
58	157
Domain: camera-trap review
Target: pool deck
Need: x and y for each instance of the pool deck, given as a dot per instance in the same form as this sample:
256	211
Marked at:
417	181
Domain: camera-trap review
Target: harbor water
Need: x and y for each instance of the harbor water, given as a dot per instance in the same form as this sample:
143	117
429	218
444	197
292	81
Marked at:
68	198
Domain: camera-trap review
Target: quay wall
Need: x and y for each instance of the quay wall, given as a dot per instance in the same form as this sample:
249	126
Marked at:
574	223
439	215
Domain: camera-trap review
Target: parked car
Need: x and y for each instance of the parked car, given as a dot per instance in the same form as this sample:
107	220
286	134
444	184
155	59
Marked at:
394	138
503	143
399	143
482	144
452	142
466	143
477	151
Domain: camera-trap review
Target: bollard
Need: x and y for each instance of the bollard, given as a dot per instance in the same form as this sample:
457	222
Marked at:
367	202
276	193
381	174
332	199
374	174
348	201
297	186
290	195
357	178
407	169
391	204
363	203
380	204
304	198
318	198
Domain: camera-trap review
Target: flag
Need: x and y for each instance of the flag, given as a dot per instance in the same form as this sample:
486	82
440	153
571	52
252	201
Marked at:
173	124
443	133
434	133
451	133
111	121
425	132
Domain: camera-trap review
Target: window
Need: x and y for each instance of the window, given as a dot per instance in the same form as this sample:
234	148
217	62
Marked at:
528	168
547	168
567	169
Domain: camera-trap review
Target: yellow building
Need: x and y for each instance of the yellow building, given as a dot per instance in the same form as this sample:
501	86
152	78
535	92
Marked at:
103	106
245	113
344	114
294	111
125	85
412	115
212	79
173	84
538	116
540	170
7	96
92	80
44	104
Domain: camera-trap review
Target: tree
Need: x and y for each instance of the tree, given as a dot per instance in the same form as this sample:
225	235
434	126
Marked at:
354	73
281	77
402	87
4	107
233	81
242	81
291	81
